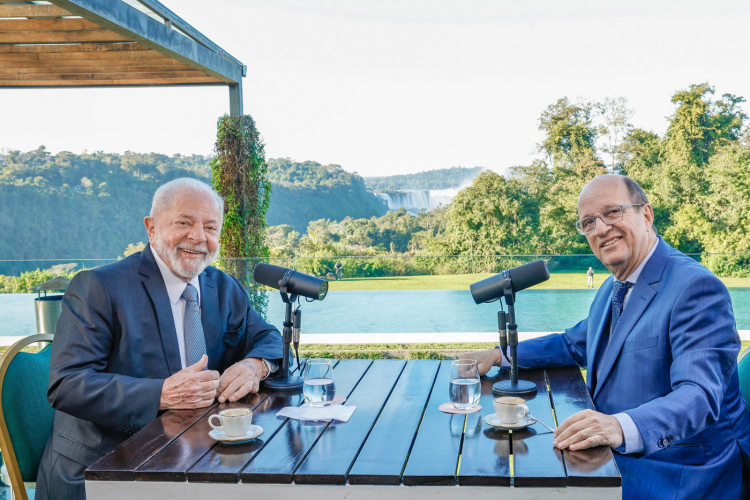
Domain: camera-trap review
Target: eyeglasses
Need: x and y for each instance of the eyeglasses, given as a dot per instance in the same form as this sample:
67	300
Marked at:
609	216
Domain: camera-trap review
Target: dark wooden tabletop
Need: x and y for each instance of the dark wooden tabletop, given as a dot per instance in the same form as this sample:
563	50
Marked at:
397	435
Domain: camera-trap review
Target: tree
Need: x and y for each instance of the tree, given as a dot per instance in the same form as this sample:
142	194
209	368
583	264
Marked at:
570	131
616	115
570	145
492	216
240	175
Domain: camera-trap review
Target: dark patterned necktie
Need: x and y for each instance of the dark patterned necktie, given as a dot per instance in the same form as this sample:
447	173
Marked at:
195	341
619	290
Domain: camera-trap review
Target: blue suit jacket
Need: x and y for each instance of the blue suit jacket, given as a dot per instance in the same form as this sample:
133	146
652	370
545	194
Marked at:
115	344
672	366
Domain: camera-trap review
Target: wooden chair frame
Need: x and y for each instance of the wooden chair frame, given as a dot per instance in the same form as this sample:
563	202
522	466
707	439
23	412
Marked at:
6	445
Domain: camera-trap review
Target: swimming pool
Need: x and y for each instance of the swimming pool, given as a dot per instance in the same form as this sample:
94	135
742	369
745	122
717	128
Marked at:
403	311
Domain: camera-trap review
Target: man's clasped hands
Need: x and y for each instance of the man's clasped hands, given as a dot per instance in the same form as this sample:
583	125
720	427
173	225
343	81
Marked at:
196	387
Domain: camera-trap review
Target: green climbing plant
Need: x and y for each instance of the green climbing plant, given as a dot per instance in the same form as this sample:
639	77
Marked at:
240	175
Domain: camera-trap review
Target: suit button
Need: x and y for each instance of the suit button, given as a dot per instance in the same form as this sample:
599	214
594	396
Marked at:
670	437
660	443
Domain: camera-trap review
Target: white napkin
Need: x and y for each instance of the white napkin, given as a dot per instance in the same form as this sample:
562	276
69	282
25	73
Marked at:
307	413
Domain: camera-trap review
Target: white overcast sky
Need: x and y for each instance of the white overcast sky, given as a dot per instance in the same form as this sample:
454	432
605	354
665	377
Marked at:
399	86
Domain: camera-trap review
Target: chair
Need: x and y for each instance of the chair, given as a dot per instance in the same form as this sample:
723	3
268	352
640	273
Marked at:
25	414
743	370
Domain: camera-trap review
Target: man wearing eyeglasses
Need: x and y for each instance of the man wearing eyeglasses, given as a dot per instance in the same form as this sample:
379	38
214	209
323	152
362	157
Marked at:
660	346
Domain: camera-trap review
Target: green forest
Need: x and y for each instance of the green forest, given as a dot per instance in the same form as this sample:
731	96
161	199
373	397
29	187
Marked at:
696	174
92	205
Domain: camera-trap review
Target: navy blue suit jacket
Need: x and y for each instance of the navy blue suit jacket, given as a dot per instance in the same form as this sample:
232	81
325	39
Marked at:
672	366
115	344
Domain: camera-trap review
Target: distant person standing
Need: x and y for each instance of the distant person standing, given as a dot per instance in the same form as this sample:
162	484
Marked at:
590	277
338	267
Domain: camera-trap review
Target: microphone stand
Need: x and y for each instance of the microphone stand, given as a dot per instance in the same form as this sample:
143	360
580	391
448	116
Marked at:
512	387
285	382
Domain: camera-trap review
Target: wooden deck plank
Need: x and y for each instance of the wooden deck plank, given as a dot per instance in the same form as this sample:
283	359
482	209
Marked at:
536	462
224	462
383	456
595	467
276	462
121	463
485	454
321	466
434	457
174	460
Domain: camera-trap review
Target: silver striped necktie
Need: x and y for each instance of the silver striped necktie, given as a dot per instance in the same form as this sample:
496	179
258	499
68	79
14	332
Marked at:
195	341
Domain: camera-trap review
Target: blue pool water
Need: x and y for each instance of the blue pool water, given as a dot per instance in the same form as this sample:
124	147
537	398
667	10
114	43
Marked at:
412	311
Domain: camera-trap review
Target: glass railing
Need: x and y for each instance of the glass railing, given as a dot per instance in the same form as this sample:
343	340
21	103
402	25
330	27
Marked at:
392	265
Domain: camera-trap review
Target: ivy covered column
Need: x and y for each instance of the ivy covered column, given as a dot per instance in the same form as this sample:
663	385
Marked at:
240	175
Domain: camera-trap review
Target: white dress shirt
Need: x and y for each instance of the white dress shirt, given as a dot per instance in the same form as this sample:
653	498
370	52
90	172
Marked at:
175	287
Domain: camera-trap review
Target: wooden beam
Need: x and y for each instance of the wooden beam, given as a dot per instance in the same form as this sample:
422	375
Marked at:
60	36
118	76
7	25
146	82
121	18
98	70
88	63
235	99
83	47
32	11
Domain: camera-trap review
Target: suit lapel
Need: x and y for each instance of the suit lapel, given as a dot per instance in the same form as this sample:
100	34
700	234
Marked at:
640	298
210	319
593	346
157	290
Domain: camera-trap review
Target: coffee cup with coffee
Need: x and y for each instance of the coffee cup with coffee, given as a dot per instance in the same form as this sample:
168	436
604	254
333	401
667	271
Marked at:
510	409
235	422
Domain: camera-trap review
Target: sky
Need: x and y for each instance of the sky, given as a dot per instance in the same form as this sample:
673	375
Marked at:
401	86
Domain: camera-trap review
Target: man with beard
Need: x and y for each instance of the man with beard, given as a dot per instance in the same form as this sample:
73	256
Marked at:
660	346
158	330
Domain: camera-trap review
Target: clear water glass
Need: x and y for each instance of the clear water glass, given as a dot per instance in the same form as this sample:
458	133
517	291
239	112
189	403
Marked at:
465	388
318	387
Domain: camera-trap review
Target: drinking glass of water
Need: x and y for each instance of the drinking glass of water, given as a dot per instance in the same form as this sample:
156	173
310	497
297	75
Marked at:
318	388
465	388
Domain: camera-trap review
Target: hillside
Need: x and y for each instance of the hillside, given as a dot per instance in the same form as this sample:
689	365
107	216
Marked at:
307	191
92	205
445	178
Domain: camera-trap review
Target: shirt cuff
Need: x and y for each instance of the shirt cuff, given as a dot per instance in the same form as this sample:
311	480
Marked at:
632	440
271	366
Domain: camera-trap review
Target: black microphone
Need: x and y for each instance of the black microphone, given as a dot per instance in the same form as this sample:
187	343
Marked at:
521	278
297	283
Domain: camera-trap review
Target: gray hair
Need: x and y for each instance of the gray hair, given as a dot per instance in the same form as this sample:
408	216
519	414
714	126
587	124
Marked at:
636	192
163	196
637	195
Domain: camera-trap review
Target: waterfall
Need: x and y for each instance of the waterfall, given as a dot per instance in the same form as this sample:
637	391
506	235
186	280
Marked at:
414	200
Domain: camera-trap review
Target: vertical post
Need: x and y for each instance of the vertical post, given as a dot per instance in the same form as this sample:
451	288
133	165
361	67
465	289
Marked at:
235	99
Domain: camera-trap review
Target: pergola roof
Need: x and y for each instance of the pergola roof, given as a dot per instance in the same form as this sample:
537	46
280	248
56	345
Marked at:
72	43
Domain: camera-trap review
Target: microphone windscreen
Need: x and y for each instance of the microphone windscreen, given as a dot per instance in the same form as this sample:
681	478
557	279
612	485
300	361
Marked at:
528	275
268	274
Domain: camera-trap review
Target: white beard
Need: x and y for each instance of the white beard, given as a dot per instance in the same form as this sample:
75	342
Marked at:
185	270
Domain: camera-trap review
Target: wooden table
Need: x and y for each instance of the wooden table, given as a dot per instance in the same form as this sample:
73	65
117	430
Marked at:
397	444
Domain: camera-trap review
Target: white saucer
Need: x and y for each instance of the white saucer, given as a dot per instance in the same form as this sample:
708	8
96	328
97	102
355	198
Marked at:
254	432
493	421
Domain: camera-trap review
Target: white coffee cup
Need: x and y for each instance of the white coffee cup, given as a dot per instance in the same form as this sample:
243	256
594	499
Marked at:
235	422
510	409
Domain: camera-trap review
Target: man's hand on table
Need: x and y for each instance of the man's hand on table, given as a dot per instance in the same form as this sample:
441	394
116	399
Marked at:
240	379
586	429
191	387
485	359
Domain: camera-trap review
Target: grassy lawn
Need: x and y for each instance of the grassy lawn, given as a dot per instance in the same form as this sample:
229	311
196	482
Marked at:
462	282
